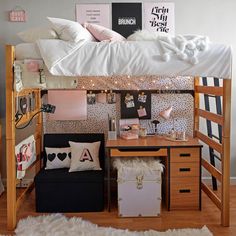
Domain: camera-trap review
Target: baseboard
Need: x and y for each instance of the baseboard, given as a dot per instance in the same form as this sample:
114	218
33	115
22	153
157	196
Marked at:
208	180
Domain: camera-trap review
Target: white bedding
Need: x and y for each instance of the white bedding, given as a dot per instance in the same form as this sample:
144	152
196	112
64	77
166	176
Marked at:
133	58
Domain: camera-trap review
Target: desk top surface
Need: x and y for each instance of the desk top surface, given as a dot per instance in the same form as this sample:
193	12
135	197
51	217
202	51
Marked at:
151	142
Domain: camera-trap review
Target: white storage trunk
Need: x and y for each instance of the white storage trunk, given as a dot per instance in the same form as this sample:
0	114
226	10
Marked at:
139	192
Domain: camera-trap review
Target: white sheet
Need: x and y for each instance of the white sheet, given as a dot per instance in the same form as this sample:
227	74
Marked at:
133	58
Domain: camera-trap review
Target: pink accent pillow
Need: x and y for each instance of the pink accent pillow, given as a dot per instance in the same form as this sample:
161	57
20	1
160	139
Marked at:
102	33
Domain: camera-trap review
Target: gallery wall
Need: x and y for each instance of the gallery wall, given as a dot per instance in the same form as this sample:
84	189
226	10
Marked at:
214	18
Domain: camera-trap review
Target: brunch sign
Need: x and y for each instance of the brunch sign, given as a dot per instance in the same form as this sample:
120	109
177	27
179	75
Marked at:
126	17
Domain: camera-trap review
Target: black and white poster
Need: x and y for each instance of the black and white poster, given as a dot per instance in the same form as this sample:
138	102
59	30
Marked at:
159	17
126	18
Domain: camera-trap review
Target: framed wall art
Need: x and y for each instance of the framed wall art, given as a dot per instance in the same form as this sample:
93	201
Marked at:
126	17
93	13
159	17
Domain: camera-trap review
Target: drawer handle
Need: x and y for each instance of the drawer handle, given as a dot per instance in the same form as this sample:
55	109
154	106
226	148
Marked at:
184	190
138	149
184	154
184	169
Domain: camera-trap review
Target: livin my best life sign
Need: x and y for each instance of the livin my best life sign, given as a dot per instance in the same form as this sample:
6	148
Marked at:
159	17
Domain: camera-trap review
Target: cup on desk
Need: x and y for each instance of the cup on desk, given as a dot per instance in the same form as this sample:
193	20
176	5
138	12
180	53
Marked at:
142	132
180	135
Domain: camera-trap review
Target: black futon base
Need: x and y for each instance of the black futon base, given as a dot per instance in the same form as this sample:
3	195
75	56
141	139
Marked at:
58	190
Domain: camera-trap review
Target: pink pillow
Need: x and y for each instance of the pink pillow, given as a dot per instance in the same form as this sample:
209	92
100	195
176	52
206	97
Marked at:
102	33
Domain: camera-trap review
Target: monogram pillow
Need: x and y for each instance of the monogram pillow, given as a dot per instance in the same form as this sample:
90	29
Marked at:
58	158
84	156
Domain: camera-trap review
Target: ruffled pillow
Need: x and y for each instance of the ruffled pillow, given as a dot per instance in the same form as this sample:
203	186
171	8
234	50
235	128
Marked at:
70	30
33	34
102	33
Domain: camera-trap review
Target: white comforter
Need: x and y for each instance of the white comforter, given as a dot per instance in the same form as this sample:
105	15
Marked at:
133	58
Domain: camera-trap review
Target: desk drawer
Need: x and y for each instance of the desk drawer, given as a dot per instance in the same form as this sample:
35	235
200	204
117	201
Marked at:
188	169
184	193
126	153
184	154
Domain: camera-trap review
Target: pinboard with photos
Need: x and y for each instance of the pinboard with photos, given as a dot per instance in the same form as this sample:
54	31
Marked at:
135	104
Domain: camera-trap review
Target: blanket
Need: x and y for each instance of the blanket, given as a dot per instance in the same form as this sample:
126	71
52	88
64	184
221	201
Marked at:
164	56
186	47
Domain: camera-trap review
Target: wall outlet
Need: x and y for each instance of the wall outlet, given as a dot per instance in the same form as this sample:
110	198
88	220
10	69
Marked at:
24	183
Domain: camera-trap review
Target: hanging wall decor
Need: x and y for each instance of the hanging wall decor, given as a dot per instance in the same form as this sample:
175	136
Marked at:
93	13
159	17
17	14
91	98
135	104
126	18
65	108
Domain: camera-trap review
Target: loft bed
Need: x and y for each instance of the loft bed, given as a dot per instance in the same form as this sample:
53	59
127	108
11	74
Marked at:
215	62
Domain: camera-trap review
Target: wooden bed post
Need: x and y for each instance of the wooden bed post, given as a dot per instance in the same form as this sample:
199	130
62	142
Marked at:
10	140
196	105
225	211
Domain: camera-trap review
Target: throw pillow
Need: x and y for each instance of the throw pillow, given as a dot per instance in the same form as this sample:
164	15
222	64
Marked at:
33	34
70	30
102	33
85	156
58	158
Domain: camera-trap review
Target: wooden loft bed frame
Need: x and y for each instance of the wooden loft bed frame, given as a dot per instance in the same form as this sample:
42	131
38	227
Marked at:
14	202
222	202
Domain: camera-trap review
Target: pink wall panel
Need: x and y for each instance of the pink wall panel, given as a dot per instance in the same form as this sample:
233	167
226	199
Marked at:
70	104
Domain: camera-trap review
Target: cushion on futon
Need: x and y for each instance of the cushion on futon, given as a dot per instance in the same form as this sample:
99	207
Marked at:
62	140
62	175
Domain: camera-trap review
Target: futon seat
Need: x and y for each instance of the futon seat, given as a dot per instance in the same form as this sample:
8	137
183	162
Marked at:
58	190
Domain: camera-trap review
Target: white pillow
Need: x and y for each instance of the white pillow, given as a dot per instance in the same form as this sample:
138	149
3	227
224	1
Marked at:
84	156
33	34
70	30
58	158
27	51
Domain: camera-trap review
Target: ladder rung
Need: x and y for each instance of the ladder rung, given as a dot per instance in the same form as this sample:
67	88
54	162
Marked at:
217	157
212	96
214	136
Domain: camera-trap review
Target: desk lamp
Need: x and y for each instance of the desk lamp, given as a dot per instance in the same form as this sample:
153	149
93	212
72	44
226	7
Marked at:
167	114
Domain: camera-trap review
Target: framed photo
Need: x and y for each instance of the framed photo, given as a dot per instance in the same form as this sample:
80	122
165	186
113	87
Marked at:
159	17
126	17
93	13
135	104
111	98
91	98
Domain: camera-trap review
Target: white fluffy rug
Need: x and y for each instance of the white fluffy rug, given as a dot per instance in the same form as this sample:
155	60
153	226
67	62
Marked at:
59	225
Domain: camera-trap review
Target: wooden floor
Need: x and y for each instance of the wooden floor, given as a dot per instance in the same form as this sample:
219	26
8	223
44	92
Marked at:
209	216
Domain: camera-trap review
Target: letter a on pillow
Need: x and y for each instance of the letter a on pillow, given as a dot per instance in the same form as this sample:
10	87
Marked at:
84	156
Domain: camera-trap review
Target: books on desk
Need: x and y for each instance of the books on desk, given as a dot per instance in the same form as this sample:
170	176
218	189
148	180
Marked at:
129	135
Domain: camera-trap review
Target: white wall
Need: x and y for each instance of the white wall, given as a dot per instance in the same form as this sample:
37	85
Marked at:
215	18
